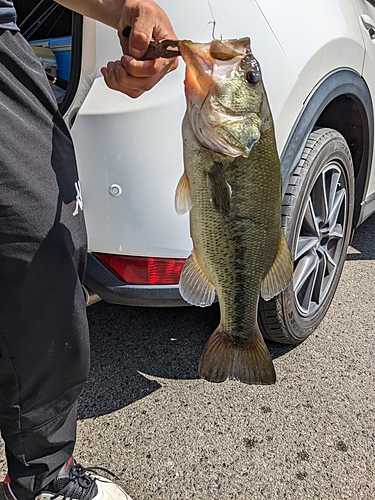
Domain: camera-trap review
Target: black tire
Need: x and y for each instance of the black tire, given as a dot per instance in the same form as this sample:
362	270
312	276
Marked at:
317	214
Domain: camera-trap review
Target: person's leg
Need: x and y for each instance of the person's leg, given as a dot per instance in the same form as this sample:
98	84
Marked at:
44	342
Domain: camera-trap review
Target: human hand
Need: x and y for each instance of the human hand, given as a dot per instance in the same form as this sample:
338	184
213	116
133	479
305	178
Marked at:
129	75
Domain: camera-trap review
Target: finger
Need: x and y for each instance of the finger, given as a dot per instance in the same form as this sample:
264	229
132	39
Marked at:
118	78
148	74
124	42
143	23
141	69
163	29
149	21
111	80
134	77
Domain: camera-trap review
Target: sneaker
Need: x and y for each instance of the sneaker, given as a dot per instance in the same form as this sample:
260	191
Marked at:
74	482
5	492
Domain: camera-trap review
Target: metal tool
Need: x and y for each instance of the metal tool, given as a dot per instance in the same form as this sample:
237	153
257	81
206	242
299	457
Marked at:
164	48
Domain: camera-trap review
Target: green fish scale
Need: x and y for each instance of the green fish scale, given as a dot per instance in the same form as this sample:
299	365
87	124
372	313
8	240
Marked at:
237	249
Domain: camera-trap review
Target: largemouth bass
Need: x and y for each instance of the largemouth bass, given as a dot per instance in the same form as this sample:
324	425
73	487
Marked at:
232	188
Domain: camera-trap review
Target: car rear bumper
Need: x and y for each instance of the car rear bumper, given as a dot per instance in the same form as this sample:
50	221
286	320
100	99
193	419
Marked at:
100	281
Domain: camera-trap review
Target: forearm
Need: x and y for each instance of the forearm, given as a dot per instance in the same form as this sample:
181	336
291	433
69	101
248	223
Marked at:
105	11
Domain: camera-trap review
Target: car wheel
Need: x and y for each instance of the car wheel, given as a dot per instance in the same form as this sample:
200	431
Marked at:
317	213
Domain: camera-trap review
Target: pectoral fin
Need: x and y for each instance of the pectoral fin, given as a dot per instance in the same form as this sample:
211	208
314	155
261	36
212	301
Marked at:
281	272
194	285
183	200
218	189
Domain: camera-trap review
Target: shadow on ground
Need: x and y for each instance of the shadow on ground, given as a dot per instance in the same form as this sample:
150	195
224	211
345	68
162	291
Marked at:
364	241
127	342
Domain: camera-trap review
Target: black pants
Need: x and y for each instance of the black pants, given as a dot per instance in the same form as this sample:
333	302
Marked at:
44	344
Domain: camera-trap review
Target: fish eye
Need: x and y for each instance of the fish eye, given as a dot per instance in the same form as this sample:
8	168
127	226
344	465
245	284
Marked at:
252	77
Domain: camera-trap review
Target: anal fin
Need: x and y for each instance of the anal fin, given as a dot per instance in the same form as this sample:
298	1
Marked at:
281	272
194	285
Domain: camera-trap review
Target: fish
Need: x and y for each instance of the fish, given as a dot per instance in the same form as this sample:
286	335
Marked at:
231	187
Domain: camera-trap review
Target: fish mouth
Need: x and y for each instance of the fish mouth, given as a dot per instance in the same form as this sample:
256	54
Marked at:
221	50
199	66
216	126
202	59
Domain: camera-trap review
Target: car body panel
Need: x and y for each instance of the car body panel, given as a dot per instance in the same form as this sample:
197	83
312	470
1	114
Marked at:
337	83
137	145
329	38
364	8
142	220
129	151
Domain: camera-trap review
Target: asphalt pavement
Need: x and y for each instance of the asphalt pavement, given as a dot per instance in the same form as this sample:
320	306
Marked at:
147	416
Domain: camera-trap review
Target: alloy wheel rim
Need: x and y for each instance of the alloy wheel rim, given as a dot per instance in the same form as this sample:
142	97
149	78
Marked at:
320	240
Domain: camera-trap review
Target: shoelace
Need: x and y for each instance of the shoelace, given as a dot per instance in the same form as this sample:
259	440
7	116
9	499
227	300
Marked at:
80	485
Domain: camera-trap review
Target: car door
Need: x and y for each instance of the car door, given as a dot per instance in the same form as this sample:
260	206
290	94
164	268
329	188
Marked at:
366	16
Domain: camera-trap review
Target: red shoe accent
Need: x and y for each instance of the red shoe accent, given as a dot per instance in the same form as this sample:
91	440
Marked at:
68	464
7	479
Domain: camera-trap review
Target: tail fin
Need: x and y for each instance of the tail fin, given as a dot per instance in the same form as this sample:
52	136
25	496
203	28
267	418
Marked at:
226	358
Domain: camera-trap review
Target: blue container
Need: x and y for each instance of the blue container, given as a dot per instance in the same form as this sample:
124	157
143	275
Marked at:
62	48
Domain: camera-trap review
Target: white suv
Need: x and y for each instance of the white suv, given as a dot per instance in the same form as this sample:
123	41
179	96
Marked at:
318	64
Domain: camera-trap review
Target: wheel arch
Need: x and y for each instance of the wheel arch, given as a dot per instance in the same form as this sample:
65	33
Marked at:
341	94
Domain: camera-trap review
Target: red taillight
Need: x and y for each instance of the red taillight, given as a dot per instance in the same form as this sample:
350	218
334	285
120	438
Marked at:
143	270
